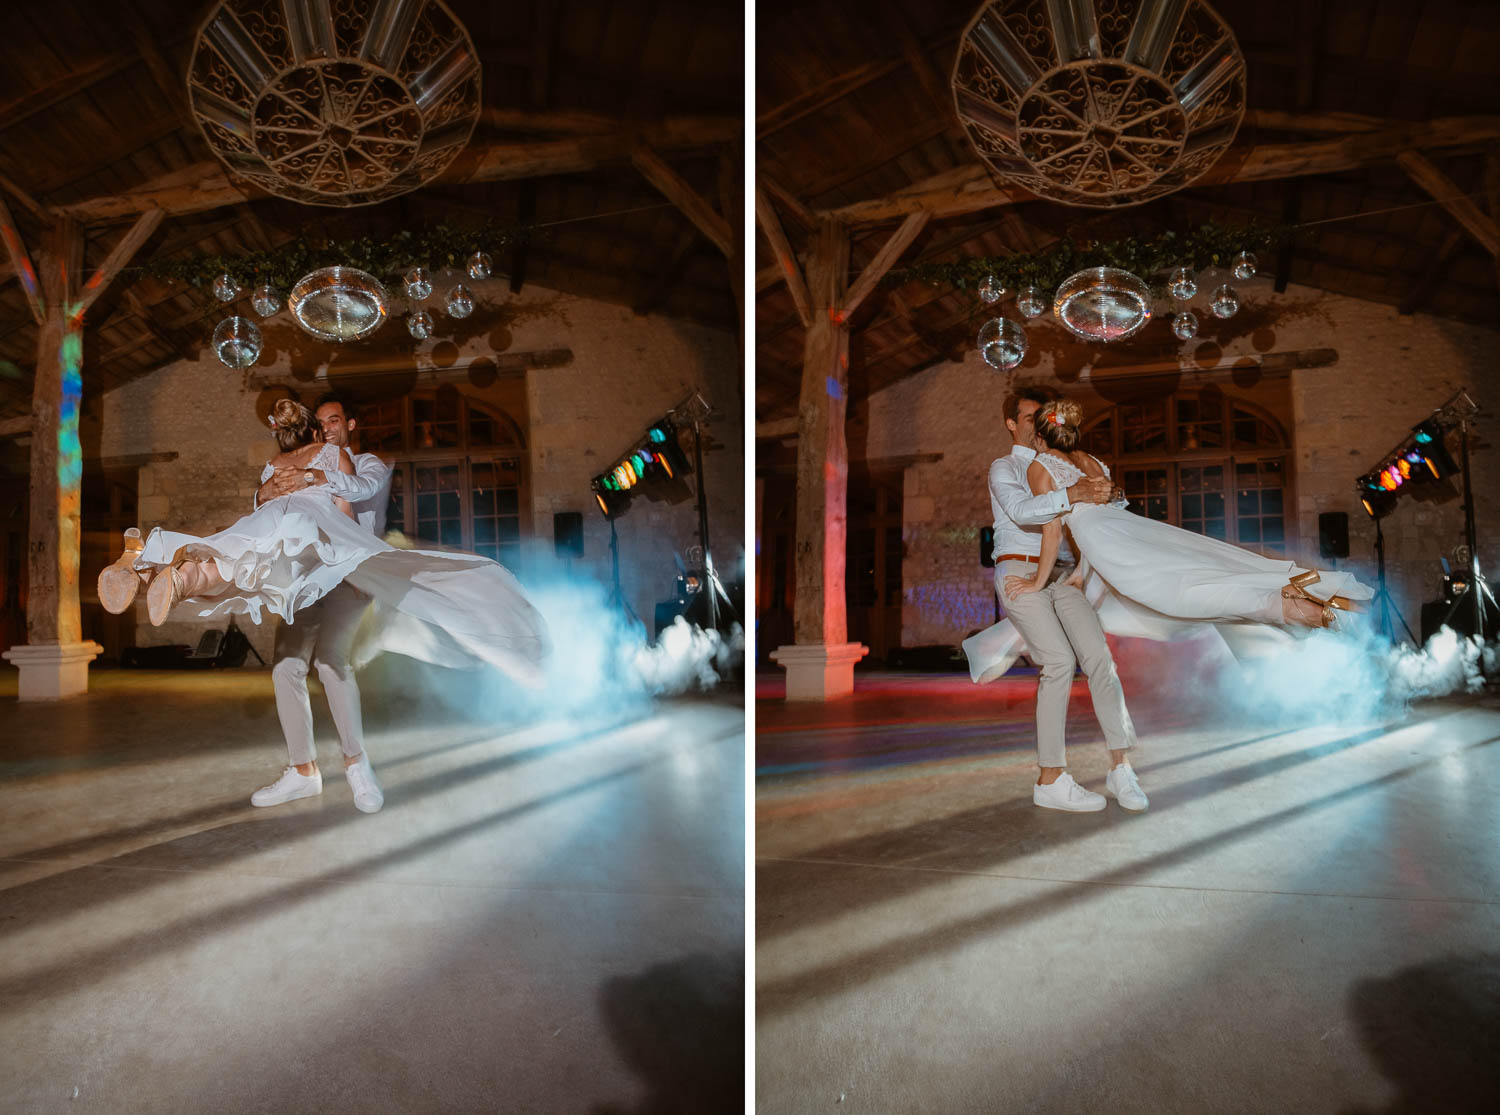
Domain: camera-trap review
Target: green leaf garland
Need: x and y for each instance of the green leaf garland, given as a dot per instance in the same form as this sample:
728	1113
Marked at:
436	247
1208	246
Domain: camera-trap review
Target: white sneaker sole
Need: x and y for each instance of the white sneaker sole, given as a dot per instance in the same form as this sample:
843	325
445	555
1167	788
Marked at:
367	806
1128	808
305	792
1091	807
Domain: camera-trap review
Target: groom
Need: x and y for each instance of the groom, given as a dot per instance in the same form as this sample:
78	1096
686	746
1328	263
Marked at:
1059	625
324	632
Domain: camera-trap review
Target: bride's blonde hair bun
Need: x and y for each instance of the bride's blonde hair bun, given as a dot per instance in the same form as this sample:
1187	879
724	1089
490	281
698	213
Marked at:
1057	423
294	424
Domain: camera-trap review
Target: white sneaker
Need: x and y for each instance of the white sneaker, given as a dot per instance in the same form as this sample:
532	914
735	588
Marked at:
289	787
1120	784
1067	795
367	795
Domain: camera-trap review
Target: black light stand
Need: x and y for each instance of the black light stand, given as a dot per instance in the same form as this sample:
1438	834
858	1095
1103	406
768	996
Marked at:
710	609
617	597
1476	599
1383	597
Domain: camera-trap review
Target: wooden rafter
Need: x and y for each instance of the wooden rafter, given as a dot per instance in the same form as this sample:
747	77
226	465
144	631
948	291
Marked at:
1425	173
884	259
677	190
15	427
786	258
968	189
145	225
20	263
788	200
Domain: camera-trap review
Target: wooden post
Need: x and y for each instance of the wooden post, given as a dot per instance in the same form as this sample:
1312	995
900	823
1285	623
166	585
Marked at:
821	664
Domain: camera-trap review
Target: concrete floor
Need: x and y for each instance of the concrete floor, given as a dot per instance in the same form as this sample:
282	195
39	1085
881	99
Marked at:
1307	919
543	918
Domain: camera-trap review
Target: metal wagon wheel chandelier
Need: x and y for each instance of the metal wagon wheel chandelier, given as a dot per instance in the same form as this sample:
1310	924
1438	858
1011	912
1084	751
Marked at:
1099	103
334	102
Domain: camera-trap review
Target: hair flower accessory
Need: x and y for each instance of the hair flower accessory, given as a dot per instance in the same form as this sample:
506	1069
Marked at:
271	418
1058	419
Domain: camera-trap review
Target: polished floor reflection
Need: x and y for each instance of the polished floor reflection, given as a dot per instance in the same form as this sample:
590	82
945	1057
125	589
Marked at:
546	917
1307	918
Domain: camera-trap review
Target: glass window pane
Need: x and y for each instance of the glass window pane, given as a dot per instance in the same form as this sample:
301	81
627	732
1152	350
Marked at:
1270	501
481	428
1191	478
1213	506
1214	528
1249	530
452	533
448	505
1248	503
427	507
1192	507
1156	508
1272	530
508	530
484	531
1213	478
507	501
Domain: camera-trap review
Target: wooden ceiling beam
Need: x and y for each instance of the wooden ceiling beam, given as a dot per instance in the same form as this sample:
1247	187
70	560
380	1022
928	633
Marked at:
1443	189
677	190
889	253
822	95
14	427
790	202
31	204
20	263
137	235
786	258
205	185
969	189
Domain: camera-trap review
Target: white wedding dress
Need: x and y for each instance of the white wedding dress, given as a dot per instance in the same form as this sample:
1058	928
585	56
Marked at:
448	608
1152	580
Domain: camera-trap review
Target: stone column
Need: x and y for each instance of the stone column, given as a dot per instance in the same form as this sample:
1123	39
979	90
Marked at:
820	665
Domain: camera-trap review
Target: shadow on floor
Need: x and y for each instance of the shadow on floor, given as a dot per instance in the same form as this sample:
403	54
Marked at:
1434	1031
681	1028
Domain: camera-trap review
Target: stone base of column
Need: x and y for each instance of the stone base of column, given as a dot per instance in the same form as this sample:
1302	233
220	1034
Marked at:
819	672
53	670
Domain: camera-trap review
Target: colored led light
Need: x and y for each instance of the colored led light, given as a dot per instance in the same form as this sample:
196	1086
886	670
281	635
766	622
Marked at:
657	434
1423	437
1386	482
1405	468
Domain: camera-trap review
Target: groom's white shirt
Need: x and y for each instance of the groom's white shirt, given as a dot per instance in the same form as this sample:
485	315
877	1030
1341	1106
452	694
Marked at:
1019	515
368	490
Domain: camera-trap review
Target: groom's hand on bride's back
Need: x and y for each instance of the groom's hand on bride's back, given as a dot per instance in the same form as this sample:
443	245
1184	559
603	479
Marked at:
1090	490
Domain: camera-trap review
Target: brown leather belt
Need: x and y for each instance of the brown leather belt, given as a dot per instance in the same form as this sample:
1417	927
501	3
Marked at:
1018	557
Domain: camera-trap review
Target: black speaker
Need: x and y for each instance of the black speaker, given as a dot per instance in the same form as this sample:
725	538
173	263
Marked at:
987	547
1333	534
567	534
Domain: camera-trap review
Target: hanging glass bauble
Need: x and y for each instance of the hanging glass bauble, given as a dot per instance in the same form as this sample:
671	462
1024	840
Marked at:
419	325
1226	301
1031	302
265	300
237	342
1102	304
991	290
1185	325
225	288
1182	286
1244	266
339	303
479	266
460	302
418	284
1002	343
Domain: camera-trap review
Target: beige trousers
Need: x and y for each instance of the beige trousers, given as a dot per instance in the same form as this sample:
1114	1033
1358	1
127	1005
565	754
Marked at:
1062	629
322	635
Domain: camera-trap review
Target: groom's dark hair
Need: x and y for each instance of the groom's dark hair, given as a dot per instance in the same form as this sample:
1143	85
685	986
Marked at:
1037	393
335	397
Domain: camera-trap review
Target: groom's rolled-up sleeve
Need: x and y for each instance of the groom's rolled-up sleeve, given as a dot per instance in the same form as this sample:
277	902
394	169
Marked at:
370	475
1023	508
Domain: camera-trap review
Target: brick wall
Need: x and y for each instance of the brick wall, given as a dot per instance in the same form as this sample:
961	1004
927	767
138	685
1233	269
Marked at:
1391	371
626	372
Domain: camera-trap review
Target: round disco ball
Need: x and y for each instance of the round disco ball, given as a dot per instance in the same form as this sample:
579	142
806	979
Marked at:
460	303
1031	302
1099	104
1244	266
225	288
419	325
339	104
237	342
479	265
339	303
1185	325
1226	301
1182	286
265	300
1002	343
991	290
418	284
1102	304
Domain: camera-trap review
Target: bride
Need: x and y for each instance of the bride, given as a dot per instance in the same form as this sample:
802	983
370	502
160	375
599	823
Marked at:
448	608
1150	579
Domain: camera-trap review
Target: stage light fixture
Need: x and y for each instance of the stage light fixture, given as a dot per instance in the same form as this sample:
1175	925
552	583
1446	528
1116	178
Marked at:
1379	503
657	454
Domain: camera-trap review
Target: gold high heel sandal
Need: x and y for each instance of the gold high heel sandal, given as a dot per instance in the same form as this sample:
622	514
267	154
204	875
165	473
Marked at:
168	587
120	580
1300	582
